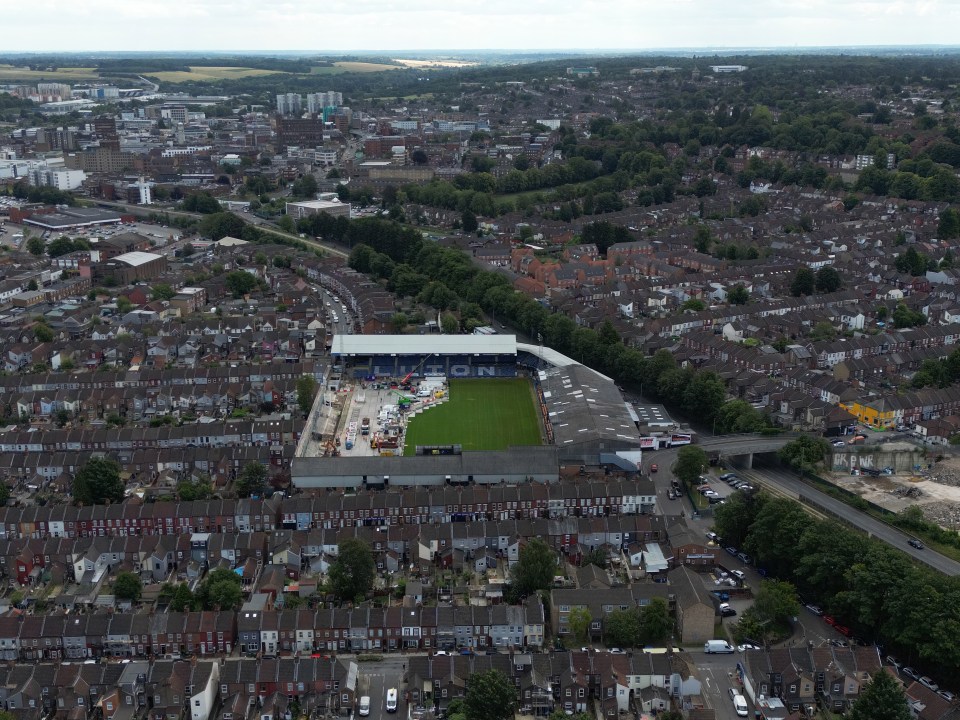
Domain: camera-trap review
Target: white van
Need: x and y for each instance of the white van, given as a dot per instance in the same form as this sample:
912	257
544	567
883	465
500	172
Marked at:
392	700
364	706
740	705
717	646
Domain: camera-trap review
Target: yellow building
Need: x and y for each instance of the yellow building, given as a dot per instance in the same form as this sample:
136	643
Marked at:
875	412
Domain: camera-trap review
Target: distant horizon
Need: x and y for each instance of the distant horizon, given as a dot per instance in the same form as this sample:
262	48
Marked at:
463	26
449	52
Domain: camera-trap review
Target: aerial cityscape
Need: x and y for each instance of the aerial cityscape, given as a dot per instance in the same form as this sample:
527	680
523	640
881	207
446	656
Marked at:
480	384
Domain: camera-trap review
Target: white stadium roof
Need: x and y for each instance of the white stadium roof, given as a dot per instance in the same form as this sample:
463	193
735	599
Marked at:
352	345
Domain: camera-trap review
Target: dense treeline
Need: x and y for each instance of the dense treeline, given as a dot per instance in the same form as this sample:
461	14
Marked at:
868	586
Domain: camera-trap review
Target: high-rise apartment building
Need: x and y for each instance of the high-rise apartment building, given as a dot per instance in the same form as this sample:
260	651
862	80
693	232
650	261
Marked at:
289	104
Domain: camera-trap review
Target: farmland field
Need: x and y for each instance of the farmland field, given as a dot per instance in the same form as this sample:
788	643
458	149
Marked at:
206	73
346	66
67	74
480	415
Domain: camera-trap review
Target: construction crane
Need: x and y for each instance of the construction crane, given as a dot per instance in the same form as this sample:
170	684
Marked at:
416	369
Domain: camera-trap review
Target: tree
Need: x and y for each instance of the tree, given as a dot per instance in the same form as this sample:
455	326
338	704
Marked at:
352	572
417	157
252	479
881	699
36	246
828	279
535	569
306	391
804	283
704	395
579	621
491	695
691	461
98	482
655	621
127	586
449	325
42	333
240	282
806	450
399	322
182	599
739	295
4	493
32	285
162	291
776	602
468	221
124	305
823	330
220	590
199	489
286	223
621	628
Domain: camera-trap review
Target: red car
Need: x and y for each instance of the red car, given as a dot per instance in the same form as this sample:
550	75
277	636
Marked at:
843	630
829	620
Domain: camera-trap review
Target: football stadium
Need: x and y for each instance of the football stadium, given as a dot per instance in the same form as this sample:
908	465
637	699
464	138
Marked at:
459	409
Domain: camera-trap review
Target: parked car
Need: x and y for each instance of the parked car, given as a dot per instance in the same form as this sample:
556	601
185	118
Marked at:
815	609
891	660
928	683
711	535
843	630
839	443
732	550
744	558
747	646
739	574
727	477
909	672
829	620
914	543
947	695
728	612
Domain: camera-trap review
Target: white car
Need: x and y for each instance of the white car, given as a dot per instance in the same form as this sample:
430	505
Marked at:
747	646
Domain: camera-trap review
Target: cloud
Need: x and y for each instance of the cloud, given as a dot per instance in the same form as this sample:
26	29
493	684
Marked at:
343	25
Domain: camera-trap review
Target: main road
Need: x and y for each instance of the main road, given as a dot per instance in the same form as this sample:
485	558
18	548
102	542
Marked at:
784	482
263	225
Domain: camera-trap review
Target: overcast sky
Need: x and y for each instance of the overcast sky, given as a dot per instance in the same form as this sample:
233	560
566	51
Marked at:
383	25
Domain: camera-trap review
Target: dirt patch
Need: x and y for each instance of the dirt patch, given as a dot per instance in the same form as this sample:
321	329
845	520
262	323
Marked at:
935	491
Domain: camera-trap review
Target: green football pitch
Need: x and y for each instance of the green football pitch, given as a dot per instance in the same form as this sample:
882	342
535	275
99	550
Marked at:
480	415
